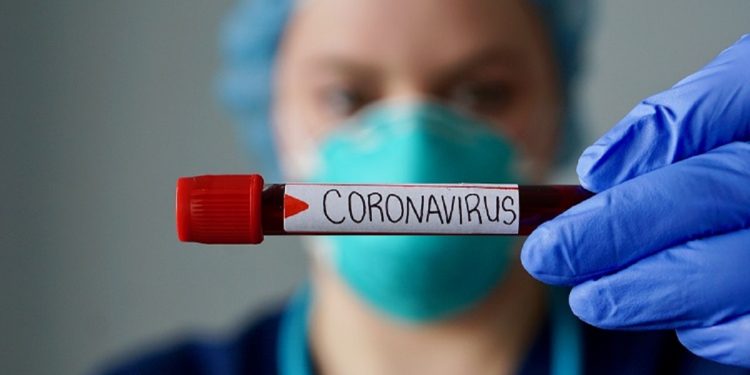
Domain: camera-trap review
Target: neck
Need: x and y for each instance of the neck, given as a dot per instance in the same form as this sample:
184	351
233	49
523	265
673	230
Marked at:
493	337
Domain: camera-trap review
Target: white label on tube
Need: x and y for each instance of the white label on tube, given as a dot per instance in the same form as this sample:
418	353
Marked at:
436	209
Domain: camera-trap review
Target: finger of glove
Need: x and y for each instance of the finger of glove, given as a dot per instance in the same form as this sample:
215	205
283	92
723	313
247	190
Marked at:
696	284
706	110
727	342
698	197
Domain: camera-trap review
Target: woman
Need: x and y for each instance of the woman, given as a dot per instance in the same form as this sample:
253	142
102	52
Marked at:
414	92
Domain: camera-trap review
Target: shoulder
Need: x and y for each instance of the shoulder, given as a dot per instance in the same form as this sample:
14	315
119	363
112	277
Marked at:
645	352
251	350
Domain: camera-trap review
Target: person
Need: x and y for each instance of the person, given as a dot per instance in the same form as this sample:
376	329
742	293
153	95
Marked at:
481	91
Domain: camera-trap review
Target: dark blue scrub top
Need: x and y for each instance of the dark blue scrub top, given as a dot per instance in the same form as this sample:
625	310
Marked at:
254	350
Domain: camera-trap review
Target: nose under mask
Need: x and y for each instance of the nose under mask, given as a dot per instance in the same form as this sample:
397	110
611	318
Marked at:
417	278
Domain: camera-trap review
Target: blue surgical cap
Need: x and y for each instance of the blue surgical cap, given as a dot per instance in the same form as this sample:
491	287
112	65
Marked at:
250	39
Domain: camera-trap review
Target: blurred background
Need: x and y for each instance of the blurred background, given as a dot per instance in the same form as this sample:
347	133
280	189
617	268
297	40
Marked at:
103	104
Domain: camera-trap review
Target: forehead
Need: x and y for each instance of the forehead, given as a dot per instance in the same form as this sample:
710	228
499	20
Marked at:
394	31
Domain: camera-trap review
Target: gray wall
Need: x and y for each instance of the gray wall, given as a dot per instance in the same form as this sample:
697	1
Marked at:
106	103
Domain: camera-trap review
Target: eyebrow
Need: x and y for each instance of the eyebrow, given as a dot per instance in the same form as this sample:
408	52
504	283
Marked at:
340	64
487	56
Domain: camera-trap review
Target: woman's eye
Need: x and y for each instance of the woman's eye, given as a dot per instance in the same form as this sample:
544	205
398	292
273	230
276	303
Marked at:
343	102
483	97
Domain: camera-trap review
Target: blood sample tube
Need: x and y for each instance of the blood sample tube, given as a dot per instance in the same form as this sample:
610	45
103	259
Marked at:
241	209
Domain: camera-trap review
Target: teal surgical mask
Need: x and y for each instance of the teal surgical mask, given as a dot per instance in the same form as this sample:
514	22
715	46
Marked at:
417	278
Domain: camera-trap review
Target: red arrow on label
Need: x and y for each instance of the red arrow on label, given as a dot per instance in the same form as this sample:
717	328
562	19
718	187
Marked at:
293	206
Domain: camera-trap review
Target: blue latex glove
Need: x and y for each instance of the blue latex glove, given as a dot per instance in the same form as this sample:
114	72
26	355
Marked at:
666	242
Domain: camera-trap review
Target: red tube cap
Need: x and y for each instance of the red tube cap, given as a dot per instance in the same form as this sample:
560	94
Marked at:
219	209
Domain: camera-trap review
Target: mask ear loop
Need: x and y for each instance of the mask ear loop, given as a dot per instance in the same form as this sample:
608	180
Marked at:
566	341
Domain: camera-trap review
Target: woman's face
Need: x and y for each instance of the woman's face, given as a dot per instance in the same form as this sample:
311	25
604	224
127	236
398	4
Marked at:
490	57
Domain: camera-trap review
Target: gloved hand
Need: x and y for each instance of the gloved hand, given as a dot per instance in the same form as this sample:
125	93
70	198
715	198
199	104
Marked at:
666	242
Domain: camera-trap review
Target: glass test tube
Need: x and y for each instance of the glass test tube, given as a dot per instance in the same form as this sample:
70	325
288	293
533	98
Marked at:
241	209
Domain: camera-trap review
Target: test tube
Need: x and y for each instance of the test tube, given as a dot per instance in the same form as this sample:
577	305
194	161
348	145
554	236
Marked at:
242	209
